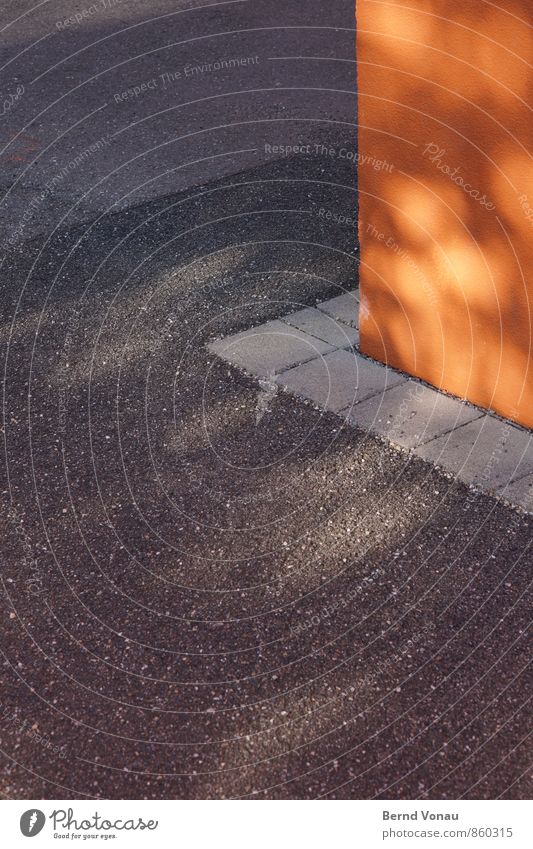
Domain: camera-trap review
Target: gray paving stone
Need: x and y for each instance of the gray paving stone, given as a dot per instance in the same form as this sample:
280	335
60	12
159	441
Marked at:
343	308
411	414
270	348
520	492
323	326
308	353
486	452
338	380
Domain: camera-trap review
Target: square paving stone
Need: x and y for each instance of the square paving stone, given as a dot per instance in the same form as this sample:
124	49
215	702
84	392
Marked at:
520	492
487	452
343	308
338	380
324	327
411	414
270	348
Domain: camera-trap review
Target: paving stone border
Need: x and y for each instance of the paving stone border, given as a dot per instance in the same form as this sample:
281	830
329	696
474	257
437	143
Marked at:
312	353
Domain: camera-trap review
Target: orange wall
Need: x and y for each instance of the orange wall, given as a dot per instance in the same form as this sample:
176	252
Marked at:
446	194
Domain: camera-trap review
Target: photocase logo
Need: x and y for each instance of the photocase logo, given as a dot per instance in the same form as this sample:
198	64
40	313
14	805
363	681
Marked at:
32	822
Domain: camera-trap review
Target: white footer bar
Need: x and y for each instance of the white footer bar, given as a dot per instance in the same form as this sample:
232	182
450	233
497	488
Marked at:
268	824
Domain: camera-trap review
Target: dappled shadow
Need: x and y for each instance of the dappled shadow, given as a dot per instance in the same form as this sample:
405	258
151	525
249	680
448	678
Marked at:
446	234
207	606
197	604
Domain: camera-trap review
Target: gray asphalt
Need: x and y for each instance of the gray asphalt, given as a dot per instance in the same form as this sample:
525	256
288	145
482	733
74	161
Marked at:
206	594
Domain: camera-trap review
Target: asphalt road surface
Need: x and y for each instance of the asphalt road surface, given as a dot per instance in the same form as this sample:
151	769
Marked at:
206	593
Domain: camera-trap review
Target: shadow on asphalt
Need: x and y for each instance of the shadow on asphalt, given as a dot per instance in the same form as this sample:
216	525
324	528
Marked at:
205	606
196	603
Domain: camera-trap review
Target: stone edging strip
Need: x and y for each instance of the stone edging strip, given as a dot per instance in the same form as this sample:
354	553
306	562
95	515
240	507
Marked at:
312	353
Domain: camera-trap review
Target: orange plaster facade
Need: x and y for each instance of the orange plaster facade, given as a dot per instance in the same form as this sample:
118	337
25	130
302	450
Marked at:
446	194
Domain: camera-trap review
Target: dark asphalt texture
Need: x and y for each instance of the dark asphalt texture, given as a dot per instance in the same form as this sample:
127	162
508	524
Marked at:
197	601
